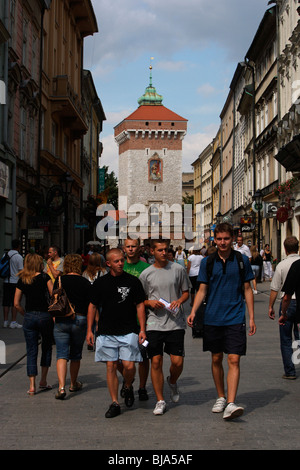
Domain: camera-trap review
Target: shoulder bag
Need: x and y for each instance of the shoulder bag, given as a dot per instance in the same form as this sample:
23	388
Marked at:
60	306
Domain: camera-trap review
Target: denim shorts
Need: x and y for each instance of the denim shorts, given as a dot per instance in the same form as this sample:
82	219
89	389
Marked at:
114	348
69	337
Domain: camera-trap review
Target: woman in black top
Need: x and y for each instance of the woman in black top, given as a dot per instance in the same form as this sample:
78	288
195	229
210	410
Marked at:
70	333
36	287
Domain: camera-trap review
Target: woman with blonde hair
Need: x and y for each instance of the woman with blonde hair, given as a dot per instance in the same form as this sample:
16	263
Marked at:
36	287
70	333
95	268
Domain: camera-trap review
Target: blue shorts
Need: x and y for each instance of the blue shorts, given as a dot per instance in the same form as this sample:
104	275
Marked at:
114	348
69	337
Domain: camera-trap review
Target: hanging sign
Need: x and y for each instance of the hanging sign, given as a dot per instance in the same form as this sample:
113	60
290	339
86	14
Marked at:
282	214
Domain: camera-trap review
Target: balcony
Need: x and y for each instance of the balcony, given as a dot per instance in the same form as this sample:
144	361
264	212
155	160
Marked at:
84	16
67	107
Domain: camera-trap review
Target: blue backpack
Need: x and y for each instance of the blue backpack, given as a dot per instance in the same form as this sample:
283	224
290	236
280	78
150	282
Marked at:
5	266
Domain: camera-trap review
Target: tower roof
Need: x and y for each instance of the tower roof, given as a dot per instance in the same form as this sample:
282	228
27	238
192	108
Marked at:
154	113
151	108
150	97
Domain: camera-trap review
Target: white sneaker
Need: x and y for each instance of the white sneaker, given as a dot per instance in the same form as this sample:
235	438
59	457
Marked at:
14	324
160	408
232	411
174	391
219	405
5	324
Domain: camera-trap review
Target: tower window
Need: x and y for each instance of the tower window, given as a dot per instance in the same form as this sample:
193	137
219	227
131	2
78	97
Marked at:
159	123
147	123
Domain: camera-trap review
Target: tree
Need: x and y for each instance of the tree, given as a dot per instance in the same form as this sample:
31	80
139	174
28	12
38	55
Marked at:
110	193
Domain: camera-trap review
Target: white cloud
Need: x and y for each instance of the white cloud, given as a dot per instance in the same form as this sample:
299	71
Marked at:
206	89
115	117
127	28
194	144
110	153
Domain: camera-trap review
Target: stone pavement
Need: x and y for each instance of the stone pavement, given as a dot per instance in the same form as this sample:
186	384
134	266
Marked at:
270	420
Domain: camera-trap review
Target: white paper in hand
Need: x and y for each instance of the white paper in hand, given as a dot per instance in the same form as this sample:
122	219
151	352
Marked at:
167	307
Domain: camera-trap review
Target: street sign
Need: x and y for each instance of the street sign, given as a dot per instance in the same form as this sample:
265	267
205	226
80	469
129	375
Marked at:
257	207
35	234
101	179
81	226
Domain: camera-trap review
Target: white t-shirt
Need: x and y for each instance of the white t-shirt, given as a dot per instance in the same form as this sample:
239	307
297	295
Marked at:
281	272
244	249
195	261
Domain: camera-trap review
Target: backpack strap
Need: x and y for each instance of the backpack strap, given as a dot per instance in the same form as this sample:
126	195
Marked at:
240	261
210	265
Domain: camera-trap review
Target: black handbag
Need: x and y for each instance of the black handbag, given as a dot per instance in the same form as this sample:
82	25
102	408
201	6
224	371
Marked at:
60	306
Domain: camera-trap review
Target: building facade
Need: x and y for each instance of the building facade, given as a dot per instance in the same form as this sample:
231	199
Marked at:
265	135
288	154
7	158
203	196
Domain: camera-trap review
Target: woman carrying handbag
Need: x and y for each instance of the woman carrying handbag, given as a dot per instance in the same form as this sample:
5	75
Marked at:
69	332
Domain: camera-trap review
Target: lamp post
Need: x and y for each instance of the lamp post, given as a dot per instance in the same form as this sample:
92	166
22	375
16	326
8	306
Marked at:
67	180
257	198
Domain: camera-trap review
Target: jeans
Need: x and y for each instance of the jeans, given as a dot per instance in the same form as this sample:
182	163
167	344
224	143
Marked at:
255	270
286	333
35	324
69	337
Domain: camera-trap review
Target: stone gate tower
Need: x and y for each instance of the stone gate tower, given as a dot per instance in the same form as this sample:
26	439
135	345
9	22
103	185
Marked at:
150	166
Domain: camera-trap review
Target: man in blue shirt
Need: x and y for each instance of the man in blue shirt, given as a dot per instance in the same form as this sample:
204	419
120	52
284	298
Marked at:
224	319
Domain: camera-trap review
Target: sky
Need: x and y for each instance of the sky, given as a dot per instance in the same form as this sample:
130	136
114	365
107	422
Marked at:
194	47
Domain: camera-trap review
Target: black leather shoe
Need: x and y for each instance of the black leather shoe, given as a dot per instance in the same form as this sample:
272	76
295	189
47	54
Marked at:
143	395
129	396
113	410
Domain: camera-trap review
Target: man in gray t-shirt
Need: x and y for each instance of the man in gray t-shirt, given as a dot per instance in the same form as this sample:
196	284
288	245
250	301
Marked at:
167	287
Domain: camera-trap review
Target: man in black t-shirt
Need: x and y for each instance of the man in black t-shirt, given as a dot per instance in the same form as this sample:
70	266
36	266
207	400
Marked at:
121	298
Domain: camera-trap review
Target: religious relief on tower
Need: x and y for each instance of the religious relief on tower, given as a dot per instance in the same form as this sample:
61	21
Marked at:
155	168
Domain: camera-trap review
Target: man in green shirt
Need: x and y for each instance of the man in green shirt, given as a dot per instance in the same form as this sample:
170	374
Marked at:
135	266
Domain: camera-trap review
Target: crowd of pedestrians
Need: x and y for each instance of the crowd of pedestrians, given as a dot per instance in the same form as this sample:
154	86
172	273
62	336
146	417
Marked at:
129	310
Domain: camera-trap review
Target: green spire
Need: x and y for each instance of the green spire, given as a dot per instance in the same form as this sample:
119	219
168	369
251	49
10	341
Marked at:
150	96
